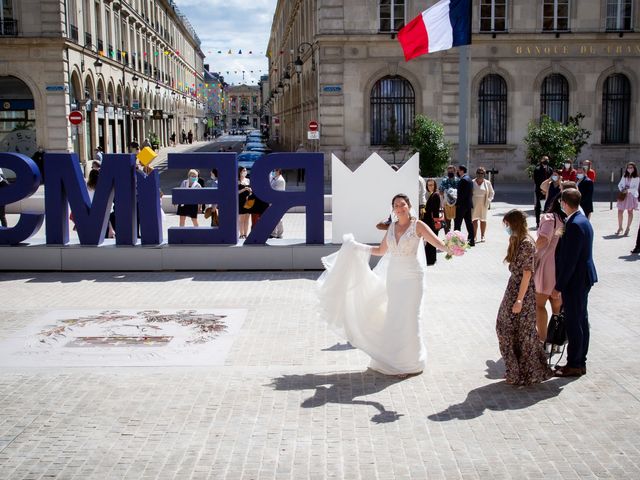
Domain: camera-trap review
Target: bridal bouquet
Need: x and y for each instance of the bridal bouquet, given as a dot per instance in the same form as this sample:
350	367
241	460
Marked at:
456	244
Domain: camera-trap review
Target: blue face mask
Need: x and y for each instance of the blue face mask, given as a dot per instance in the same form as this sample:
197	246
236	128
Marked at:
554	178
580	176
508	230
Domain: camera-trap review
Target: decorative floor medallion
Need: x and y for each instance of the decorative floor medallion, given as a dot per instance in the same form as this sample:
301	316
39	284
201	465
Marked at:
124	338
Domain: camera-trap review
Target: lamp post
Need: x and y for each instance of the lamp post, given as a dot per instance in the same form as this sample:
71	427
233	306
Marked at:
299	63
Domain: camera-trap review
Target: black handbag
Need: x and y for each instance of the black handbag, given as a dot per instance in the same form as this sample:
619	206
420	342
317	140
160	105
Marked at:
557	331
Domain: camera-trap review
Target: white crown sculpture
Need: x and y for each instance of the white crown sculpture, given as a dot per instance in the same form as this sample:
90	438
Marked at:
362	198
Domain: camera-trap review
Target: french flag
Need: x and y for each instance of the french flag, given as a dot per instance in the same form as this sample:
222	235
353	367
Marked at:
445	25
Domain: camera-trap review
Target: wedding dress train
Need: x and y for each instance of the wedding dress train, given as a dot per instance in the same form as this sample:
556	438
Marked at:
378	311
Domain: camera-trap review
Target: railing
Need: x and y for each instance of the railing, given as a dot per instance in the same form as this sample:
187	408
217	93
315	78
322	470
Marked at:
87	38
73	31
9	28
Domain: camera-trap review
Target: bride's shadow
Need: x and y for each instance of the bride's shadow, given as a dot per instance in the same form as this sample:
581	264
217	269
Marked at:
500	396
341	388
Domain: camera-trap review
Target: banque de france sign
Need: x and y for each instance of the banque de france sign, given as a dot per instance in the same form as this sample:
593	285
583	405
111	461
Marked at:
132	193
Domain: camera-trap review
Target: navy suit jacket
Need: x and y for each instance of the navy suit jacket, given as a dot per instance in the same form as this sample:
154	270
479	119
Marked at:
585	186
465	193
575	270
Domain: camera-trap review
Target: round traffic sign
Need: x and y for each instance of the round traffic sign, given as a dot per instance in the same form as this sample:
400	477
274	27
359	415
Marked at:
76	117
313	126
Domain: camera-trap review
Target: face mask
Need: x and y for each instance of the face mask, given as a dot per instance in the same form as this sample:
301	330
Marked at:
213	177
507	229
450	174
192	179
554	178
567	166
580	176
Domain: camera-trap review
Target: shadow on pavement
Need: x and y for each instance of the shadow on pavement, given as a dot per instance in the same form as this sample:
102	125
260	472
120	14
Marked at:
342	388
500	396
338	347
632	257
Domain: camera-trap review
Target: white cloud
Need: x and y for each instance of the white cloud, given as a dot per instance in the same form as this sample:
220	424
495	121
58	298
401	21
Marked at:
238	25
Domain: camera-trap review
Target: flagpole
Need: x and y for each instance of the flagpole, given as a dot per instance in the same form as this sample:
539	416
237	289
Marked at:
463	118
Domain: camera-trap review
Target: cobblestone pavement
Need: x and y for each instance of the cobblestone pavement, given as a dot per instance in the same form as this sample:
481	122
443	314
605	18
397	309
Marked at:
292	401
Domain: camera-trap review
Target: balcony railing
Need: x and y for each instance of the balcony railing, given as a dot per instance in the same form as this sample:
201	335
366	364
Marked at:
73	31
87	39
9	28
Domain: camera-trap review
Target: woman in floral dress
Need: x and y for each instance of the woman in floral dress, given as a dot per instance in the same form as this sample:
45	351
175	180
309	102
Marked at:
522	352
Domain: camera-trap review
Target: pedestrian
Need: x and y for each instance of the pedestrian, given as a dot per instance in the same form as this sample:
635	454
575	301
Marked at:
211	210
541	173
279	184
449	193
551	187
96	165
636	249
145	143
464	204
432	217
522	352
190	211
92	183
99	153
482	198
173	139
568	172
190	137
244	203
544	278
3	213
585	186
575	275
627	196
184	136
588	168
134	146
38	157
381	312
422	196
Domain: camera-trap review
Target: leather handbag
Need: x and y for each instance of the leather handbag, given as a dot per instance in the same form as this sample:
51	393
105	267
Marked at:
621	196
557	330
249	202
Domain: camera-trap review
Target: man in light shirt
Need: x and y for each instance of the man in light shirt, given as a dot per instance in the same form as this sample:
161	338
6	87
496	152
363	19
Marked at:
278	183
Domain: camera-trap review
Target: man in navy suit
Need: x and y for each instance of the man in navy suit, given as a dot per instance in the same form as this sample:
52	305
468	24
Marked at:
464	203
575	275
585	186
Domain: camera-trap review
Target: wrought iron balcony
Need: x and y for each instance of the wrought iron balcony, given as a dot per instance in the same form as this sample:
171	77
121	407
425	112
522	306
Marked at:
8	28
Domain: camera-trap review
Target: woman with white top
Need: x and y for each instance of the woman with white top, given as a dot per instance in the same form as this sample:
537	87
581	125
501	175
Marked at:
628	196
190	211
482	197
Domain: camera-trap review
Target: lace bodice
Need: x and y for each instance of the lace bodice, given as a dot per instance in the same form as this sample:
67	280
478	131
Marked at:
408	243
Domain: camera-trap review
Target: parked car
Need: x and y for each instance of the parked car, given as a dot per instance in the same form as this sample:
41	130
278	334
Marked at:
257	147
246	159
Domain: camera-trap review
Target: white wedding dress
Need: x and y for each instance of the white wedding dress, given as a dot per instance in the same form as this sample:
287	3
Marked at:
378	311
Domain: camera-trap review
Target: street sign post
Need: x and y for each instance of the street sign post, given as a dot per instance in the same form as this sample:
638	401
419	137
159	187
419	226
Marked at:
75	117
313	135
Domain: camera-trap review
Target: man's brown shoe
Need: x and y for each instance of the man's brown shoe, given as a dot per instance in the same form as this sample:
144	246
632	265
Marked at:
569	372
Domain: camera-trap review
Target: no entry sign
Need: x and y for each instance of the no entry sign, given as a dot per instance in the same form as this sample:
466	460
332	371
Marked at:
313	126
76	117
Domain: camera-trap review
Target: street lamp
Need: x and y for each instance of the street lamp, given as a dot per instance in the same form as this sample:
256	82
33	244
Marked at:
302	48
98	65
135	80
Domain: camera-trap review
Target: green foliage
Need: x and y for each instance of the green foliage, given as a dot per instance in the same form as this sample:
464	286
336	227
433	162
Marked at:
392	141
561	143
427	139
153	138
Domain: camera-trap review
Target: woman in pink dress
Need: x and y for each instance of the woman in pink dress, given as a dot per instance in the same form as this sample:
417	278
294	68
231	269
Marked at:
544	277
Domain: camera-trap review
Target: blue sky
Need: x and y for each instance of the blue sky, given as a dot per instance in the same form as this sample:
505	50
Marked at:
235	25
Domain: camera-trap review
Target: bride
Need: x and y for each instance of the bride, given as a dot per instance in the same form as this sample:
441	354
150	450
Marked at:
380	311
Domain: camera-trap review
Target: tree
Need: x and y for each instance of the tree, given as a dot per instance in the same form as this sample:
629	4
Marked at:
561	143
392	141
427	139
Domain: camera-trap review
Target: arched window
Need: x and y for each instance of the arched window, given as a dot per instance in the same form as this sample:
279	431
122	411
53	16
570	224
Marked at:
393	106
554	98
492	119
616	103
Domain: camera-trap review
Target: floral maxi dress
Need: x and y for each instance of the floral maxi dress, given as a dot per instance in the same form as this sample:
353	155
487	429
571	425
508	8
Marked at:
521	350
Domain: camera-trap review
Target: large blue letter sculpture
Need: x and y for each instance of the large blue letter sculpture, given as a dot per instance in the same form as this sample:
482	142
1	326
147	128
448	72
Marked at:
312	198
65	186
226	196
26	184
149	208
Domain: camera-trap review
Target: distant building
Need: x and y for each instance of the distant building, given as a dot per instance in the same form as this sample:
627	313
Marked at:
130	68
527	59
214	94
242	107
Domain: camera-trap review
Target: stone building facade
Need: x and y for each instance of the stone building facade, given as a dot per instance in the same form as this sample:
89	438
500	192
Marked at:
559	57
242	107
130	67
